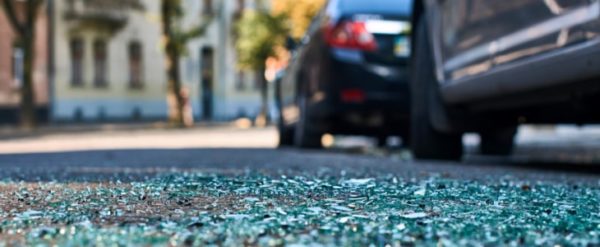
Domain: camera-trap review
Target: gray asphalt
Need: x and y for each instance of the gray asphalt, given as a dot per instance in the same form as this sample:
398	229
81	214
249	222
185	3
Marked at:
127	163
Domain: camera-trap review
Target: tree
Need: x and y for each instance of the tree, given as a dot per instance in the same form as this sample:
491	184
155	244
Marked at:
259	34
300	13
23	23
175	39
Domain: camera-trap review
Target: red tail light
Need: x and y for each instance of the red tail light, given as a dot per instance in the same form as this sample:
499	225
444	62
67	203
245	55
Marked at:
353	96
351	35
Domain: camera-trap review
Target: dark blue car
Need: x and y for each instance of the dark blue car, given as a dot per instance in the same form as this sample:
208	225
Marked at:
349	74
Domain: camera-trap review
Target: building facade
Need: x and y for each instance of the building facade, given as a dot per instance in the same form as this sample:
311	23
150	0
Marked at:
109	62
221	91
11	68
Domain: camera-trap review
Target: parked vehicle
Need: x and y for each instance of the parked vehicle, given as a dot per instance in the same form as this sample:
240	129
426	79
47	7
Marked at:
349	74
488	66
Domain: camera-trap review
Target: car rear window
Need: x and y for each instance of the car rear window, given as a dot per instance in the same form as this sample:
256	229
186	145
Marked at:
390	7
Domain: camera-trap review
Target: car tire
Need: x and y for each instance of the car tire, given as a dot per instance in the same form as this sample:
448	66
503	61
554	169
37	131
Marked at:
427	142
307	133
286	135
498	142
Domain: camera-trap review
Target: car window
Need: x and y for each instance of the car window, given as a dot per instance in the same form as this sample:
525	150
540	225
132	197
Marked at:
395	7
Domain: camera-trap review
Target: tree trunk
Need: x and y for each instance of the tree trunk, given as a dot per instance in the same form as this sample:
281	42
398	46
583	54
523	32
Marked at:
28	106
175	99
263	116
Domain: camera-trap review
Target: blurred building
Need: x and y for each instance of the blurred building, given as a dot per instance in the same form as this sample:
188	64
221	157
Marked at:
221	91
109	64
11	68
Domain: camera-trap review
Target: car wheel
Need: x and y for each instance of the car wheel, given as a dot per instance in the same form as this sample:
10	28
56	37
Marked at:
498	142
426	141
306	134
405	134
286	135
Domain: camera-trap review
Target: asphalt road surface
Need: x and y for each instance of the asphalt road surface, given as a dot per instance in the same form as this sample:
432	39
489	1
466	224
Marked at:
225	186
131	153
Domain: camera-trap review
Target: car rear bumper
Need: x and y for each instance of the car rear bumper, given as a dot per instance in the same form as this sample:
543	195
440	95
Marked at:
383	106
383	86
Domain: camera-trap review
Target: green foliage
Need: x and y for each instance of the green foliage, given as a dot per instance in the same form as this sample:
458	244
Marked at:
172	10
299	12
176	39
180	37
258	34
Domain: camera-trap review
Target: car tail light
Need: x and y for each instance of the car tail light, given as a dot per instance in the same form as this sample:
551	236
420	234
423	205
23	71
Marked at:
353	96
351	35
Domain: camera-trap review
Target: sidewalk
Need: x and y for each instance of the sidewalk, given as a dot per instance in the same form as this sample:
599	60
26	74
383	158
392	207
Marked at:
62	138
8	132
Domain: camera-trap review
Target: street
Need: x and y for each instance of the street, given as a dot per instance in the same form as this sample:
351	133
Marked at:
238	123
229	186
541	154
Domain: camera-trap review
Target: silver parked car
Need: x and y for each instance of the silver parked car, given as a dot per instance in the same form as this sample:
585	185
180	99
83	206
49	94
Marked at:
488	66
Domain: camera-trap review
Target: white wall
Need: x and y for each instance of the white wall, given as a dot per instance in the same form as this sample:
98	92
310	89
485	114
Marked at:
117	100
228	102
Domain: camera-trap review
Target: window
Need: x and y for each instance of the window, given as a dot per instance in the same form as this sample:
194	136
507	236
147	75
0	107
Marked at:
375	6
100	72
207	8
76	47
17	66
207	81
136	71
240	83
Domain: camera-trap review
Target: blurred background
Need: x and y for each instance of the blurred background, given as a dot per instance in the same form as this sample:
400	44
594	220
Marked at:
126	66
317	122
118	61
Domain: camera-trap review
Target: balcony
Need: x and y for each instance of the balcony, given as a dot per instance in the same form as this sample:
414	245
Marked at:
113	14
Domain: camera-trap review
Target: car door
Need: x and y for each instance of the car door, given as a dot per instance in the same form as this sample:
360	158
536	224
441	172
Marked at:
295	73
474	37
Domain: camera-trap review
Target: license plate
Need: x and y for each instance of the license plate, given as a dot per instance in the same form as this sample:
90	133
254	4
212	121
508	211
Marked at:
402	46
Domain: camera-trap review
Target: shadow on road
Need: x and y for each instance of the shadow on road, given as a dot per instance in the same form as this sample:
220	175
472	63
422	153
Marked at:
141	164
127	164
592	168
